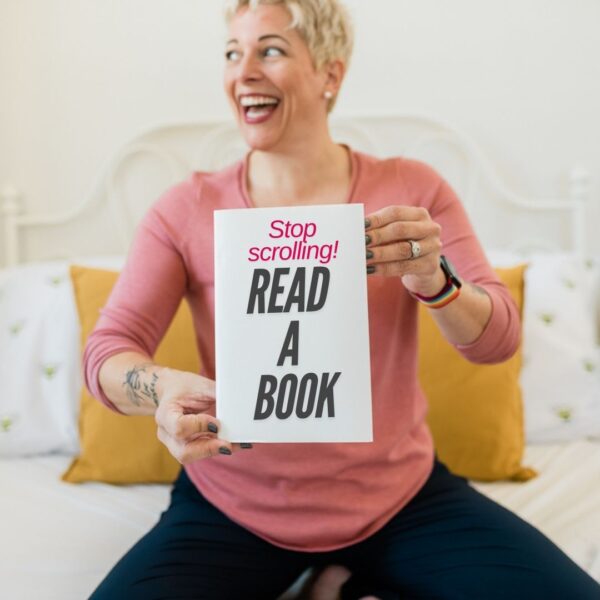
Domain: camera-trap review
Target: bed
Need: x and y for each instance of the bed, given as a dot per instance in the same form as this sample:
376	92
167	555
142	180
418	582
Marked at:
63	538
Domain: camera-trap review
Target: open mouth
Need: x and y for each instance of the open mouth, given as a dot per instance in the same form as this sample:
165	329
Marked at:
258	108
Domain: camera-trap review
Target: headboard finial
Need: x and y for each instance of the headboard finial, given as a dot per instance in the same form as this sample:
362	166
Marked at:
579	183
10	200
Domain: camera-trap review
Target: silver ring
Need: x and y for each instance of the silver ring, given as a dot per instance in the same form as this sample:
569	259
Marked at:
415	249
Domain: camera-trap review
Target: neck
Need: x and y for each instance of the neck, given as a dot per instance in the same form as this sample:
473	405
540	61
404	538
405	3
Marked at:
310	172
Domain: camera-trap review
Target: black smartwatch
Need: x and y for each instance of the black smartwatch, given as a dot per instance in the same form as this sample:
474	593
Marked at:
450	272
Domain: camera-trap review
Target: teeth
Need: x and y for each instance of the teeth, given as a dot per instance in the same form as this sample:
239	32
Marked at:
257	100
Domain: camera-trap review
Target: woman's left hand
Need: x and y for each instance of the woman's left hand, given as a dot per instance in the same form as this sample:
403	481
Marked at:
389	232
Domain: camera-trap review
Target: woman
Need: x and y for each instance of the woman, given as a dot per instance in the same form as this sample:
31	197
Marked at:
246	522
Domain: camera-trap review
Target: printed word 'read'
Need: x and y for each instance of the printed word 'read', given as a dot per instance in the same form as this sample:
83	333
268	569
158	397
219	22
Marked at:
298	246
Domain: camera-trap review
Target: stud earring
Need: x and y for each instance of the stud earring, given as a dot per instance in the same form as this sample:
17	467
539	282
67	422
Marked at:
328	95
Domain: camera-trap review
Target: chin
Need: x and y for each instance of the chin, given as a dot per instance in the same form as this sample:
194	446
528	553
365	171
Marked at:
260	142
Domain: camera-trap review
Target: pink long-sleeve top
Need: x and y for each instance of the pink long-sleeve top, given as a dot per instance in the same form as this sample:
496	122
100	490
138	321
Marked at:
307	497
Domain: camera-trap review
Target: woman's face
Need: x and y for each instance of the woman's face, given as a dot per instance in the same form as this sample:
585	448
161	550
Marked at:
270	81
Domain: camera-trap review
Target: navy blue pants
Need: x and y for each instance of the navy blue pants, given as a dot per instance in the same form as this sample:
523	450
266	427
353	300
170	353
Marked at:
449	542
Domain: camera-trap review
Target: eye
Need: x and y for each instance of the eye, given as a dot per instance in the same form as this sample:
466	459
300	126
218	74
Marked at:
232	55
273	51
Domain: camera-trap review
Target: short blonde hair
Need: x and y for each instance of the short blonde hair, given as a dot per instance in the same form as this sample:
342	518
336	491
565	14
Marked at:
324	25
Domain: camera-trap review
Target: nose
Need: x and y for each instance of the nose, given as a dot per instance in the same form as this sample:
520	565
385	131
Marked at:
249	68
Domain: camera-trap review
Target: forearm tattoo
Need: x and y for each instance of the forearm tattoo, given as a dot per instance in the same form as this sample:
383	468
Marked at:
138	390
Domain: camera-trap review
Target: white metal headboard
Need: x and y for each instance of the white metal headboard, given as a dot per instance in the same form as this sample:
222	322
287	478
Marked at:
161	156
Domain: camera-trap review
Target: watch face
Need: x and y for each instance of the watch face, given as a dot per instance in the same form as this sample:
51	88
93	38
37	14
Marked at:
450	271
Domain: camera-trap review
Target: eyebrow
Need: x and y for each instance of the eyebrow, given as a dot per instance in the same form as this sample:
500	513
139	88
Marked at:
262	38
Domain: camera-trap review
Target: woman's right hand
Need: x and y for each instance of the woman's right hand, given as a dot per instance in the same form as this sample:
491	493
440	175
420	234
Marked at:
185	417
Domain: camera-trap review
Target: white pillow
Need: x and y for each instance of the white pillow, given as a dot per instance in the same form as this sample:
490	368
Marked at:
561	355
40	374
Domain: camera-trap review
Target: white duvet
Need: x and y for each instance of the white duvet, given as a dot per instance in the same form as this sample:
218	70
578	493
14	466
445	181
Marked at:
58	540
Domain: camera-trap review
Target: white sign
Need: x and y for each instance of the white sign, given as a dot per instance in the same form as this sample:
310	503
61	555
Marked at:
291	325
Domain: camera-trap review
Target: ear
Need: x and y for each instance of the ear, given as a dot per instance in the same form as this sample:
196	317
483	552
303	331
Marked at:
334	72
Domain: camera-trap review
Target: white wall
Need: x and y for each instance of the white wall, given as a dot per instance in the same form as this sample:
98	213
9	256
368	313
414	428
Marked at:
80	77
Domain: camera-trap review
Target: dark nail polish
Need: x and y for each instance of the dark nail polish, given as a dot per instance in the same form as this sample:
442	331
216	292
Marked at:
213	428
367	223
370	269
245	445
224	450
369	254
367	239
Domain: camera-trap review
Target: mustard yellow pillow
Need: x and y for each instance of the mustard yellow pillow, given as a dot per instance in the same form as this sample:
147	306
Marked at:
475	411
118	448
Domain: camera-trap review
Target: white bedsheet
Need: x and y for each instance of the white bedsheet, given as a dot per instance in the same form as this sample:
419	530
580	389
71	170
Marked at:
63	538
58	540
563	501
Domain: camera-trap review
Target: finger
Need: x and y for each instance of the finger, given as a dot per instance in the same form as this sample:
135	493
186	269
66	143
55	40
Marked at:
194	405
205	448
426	265
389	214
402	230
401	251
192	437
183	426
187	452
242	446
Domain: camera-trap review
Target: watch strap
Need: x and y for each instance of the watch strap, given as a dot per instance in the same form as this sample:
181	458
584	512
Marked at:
448	293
